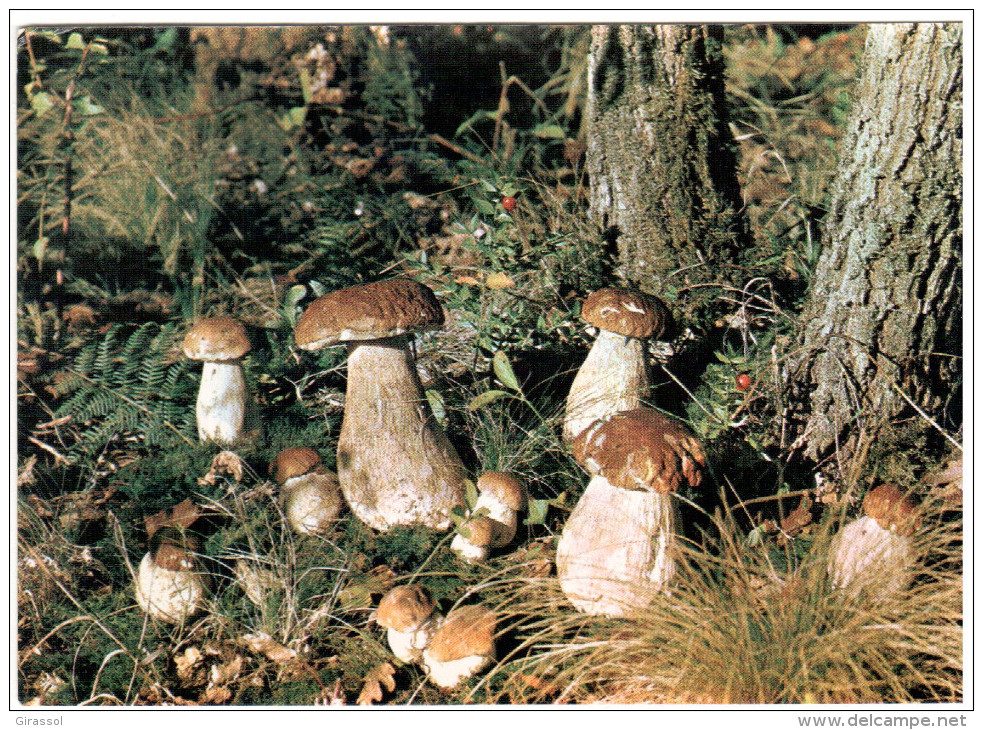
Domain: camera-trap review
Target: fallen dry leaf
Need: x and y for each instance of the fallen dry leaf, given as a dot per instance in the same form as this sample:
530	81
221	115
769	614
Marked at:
264	644
499	280
225	673
183	515
186	661
379	677
215	696
225	463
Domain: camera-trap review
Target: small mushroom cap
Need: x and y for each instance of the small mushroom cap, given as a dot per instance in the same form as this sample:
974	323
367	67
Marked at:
892	509
216	339
480	530
405	607
626	312
504	487
293	461
368	312
467	631
172	548
641	450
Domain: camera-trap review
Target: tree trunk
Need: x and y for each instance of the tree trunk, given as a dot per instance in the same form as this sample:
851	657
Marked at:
884	314
660	156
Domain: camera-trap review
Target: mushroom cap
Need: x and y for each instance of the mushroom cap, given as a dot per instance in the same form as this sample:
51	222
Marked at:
467	631
504	487
368	312
172	548
293	461
216	339
892	509
626	312
405	607
641	450
481	530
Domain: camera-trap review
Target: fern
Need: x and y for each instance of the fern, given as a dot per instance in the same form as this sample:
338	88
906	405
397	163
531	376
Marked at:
128	382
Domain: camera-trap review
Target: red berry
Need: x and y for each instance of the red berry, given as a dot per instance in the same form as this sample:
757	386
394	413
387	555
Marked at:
509	202
743	382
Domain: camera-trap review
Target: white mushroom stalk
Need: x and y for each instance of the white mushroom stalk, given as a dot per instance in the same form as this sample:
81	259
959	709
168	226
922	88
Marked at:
617	548
615	375
874	554
221	343
396	465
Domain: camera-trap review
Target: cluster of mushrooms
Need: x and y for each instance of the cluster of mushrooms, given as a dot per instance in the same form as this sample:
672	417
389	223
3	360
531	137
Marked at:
396	467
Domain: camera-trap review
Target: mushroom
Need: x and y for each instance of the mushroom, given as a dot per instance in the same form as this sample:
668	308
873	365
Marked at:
395	464
407	611
309	493
472	543
221	343
874	553
502	496
615	376
168	585
616	549
462	646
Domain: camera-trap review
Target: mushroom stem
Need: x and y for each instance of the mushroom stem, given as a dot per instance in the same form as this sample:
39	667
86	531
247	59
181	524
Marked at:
614	377
395	464
615	552
865	556
221	404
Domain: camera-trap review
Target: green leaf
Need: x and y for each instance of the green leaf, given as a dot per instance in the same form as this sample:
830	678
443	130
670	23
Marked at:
549	131
537	512
293	118
484	207
99	49
75	41
437	406
165	40
49	35
41	103
86	107
470	493
489	396
504	371
305	85
40	246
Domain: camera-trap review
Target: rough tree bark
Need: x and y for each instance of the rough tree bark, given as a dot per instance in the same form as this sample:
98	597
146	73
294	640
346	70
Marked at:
660	156
885	310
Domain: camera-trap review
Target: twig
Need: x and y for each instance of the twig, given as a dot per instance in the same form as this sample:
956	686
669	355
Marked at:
743	503
924	415
50	449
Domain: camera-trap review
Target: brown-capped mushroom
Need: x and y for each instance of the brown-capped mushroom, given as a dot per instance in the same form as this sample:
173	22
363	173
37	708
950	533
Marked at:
462	646
616	549
874	553
408	613
615	376
309	493
503	497
473	541
221	343
396	465
169	585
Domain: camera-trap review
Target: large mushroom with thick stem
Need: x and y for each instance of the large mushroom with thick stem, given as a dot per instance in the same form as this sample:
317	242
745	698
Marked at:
220	342
874	553
616	551
309	492
615	376
396	465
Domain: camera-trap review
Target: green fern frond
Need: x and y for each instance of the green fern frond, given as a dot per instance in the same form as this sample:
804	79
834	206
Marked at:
127	382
